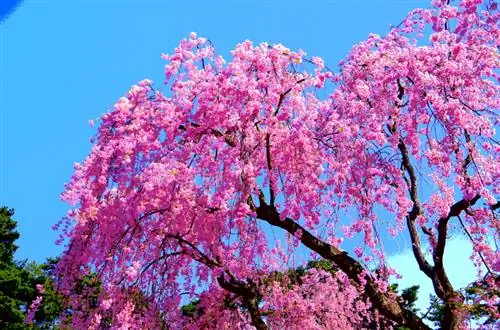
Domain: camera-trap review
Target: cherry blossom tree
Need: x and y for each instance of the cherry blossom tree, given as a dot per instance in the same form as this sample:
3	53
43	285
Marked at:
204	191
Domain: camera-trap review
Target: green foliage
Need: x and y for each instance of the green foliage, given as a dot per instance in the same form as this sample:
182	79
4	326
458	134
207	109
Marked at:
436	310
16	288
293	276
190	309
322	264
47	316
474	295
8	235
18	281
408	296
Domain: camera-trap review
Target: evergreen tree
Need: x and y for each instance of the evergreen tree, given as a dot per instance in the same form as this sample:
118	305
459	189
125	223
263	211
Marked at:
14	289
19	280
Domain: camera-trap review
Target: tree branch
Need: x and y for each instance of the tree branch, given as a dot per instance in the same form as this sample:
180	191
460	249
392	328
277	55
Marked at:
250	296
424	266
352	268
247	291
270	168
472	241
203	257
455	211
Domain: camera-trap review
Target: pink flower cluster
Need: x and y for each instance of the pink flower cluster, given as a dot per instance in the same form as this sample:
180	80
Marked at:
165	202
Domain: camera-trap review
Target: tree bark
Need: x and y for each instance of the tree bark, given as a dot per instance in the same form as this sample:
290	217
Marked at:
452	316
353	269
249	295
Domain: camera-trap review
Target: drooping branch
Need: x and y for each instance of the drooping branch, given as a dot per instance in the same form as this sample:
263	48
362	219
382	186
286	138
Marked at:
437	273
163	256
352	268
472	241
270	168
247	291
424	266
283	95
225	135
202	257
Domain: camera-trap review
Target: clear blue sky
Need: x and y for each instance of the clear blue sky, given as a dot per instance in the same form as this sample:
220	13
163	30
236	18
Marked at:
64	62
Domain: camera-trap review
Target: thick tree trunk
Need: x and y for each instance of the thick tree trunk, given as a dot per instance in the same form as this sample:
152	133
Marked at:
451	322
452	316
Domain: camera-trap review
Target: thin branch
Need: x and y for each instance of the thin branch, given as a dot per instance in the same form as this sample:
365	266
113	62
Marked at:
270	169
472	241
283	95
424	266
204	258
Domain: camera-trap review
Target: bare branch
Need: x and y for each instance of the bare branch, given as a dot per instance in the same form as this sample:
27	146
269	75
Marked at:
270	168
424	266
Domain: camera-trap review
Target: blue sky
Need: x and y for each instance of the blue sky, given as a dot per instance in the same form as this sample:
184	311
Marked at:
64	62
460	269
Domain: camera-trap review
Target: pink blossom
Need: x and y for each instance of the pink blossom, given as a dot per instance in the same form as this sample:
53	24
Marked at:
241	171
